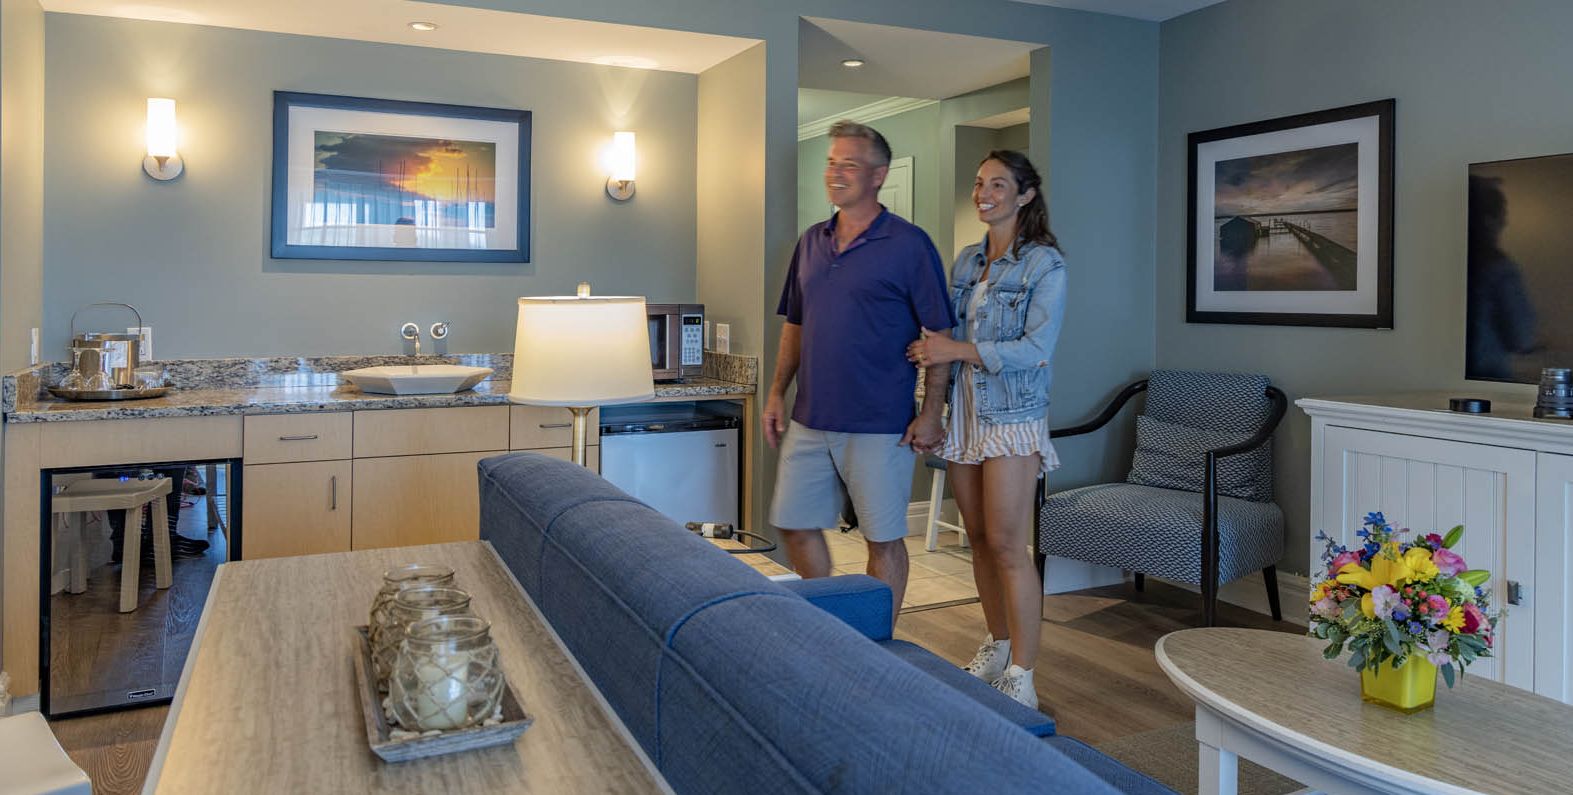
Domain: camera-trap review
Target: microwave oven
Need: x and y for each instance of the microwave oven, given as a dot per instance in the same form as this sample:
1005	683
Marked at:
677	339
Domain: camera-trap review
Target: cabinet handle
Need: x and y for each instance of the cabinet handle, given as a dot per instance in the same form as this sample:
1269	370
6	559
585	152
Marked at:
306	438
549	425
333	492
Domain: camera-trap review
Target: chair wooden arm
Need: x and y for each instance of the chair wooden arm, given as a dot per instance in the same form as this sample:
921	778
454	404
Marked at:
1104	416
1210	540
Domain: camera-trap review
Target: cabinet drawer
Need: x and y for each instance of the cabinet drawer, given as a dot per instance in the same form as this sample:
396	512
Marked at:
282	438
426	431
296	509
535	427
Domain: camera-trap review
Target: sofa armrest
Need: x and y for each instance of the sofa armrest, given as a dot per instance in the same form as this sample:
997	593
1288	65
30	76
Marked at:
863	602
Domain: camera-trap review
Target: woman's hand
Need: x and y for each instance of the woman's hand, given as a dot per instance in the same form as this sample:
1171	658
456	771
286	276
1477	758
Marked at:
933	349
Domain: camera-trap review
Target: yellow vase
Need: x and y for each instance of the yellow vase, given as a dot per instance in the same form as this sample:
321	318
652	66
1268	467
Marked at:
1410	687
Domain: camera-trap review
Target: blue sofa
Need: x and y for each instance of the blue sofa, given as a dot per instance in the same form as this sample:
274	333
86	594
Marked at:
734	683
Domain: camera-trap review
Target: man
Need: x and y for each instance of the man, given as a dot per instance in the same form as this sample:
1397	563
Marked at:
861	286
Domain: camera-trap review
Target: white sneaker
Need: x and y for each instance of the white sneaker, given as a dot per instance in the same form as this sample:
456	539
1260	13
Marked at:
1016	682
991	659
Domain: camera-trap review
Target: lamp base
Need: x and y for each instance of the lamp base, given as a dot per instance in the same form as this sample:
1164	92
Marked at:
581	417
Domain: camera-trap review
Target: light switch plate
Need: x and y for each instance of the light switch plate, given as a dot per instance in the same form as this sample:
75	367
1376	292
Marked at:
723	338
709	336
145	349
32	349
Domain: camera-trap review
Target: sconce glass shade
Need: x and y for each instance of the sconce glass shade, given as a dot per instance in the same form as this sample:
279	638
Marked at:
163	160
620	166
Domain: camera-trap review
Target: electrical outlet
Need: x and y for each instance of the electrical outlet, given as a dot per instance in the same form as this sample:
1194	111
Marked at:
32	349
709	336
145	348
723	338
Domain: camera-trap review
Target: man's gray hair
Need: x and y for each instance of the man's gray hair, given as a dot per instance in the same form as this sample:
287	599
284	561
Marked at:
846	128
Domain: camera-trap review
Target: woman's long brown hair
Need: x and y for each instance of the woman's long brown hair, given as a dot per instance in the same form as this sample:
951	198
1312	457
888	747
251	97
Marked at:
1032	221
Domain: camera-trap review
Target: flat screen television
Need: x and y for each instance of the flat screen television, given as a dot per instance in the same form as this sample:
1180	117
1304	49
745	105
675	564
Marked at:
1520	254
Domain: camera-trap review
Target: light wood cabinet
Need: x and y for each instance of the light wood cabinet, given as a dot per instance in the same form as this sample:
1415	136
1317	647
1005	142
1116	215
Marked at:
296	509
427	431
537	427
282	438
417	499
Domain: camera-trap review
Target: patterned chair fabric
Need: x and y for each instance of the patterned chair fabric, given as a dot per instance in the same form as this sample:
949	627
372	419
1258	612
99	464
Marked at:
1153	523
1159	531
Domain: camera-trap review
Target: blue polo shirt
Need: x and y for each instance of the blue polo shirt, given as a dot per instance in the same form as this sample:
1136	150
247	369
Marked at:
859	309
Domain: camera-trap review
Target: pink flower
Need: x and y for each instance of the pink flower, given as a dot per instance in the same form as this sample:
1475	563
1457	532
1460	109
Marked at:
1436	605
1343	559
1473	619
1326	607
1448	562
1434	540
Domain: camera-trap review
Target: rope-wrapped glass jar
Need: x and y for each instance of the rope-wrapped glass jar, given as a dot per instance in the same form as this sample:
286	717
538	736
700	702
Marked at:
397	579
412	604
446	675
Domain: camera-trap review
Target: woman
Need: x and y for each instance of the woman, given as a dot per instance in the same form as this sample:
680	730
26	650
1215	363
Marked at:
1009	293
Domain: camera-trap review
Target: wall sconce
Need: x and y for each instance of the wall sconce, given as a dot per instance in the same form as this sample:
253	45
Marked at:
163	161
620	166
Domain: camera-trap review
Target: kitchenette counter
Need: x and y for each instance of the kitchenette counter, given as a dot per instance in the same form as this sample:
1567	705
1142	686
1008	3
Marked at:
213	387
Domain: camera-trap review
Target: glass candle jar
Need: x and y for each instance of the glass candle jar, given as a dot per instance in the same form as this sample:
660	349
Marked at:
395	580
412	604
445	675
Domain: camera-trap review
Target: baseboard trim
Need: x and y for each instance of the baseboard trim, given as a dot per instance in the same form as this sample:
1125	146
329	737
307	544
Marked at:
1250	593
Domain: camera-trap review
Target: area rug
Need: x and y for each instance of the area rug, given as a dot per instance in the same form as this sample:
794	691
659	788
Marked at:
1169	755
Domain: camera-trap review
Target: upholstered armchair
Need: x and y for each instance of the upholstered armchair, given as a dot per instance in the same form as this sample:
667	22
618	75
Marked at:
1197	506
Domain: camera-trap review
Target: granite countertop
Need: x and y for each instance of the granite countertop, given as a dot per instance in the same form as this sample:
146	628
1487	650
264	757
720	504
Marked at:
222	387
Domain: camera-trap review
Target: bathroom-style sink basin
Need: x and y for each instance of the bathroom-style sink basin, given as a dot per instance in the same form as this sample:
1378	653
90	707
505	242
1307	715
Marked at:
416	379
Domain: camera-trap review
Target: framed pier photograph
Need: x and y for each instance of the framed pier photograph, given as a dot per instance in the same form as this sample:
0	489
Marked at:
376	179
1291	220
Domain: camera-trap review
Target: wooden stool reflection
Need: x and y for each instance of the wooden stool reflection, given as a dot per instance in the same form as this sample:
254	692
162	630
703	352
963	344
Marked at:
936	502
103	494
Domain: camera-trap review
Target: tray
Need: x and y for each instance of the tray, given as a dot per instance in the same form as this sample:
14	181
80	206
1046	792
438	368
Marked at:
138	393
379	734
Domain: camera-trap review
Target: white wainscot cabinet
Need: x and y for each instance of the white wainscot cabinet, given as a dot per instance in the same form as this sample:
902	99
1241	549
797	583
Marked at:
1505	476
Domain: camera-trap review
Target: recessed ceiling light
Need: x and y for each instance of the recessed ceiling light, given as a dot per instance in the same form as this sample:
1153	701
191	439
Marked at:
423	26
852	63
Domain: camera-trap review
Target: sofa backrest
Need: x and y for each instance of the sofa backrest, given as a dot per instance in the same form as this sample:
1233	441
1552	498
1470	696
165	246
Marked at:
730	682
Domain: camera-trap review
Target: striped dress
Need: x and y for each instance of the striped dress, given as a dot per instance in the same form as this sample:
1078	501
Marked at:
969	440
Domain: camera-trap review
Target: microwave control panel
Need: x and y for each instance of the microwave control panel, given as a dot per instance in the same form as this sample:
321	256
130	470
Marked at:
693	340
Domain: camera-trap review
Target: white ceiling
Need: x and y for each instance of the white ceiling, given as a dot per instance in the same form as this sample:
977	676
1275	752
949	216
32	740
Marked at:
459	28
815	103
1153	10
904	62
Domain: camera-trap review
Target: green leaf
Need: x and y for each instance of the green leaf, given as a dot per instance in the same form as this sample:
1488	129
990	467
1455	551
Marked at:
1357	660
1452	538
1447	674
1475	577
1333	650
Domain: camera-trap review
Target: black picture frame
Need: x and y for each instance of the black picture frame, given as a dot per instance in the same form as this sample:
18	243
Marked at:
1368	266
507	131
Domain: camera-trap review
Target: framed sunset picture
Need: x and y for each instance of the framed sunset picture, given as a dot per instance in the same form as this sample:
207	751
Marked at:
376	179
1291	220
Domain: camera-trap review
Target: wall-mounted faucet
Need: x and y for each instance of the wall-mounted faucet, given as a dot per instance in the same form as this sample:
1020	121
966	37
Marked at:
410	331
439	330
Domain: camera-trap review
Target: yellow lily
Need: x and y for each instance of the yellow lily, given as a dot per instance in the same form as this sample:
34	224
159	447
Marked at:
1387	568
1421	569
1367	607
1322	588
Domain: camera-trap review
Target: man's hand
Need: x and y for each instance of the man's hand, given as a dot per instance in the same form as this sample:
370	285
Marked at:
925	433
774	418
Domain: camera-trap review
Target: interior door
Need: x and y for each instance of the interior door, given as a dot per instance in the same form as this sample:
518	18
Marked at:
896	193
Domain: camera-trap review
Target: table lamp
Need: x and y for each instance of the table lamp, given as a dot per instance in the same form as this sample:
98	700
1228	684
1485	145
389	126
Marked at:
581	351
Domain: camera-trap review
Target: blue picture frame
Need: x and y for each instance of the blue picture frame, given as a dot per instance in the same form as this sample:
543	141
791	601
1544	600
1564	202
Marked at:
466	203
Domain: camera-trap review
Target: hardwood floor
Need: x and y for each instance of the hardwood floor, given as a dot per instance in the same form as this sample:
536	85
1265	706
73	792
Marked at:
1096	673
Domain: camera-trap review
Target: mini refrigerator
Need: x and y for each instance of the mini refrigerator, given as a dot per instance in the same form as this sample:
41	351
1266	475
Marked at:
681	459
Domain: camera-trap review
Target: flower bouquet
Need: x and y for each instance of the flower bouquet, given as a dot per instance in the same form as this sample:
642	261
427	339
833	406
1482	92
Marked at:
1408	601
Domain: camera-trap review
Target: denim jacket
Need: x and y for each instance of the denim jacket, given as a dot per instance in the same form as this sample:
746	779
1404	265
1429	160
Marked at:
1018	327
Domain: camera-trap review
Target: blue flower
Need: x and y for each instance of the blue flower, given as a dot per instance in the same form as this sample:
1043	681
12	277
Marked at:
1415	627
1479	591
1375	518
1400	614
1363	533
1372	547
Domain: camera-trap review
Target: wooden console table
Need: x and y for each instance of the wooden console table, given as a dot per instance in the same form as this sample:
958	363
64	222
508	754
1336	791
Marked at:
1271	698
267	701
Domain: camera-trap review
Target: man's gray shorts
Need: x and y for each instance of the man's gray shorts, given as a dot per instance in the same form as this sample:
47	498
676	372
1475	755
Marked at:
814	465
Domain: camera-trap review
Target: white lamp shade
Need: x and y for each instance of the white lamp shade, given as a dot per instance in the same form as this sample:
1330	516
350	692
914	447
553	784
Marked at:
620	159
161	131
589	351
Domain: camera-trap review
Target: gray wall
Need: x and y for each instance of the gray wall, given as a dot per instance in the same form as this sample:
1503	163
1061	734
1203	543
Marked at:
21	176
1474	82
192	254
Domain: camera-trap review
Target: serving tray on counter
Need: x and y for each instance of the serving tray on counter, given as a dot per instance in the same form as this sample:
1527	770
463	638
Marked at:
379	734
